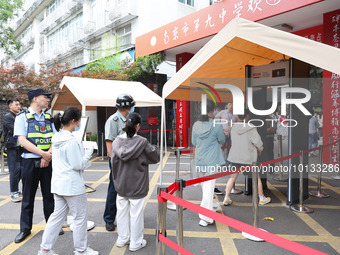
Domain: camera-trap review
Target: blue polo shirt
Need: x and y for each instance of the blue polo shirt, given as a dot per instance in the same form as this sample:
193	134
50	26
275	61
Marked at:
21	125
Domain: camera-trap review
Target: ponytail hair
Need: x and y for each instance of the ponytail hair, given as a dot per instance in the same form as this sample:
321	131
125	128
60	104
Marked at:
131	121
70	113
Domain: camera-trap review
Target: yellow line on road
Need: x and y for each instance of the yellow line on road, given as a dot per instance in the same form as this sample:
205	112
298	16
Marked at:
5	201
95	159
12	247
227	244
100	181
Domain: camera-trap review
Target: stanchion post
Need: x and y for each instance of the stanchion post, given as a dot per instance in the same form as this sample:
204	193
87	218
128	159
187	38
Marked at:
255	174
179	209
280	177
103	141
173	137
158	137
300	207
255	177
161	220
318	192
2	171
151	136
172	206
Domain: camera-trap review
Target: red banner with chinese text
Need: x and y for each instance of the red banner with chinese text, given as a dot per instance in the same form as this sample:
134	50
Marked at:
182	123
210	20
331	102
313	33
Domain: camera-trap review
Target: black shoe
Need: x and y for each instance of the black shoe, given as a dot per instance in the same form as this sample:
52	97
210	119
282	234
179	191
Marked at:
61	232
110	226
218	192
21	237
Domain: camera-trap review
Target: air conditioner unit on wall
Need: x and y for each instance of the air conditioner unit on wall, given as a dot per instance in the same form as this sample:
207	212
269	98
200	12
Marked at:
114	14
57	50
90	27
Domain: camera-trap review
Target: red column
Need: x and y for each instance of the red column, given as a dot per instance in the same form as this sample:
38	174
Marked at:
331	102
182	107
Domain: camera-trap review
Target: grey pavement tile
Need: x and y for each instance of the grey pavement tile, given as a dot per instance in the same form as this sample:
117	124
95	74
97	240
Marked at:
332	200
7	237
285	221
329	219
102	242
324	247
247	247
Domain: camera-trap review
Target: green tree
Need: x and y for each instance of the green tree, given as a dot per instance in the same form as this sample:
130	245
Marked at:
8	10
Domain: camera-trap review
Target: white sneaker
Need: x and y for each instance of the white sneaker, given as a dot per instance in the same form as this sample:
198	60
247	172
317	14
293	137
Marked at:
216	206
50	252
89	251
204	223
265	201
120	245
142	245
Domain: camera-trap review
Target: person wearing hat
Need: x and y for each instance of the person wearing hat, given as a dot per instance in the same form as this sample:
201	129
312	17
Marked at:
113	128
34	131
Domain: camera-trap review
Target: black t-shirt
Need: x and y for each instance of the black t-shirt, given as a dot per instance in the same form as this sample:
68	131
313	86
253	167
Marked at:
8	129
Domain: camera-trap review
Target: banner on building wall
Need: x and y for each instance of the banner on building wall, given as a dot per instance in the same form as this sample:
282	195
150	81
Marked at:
210	20
313	33
331	102
182	121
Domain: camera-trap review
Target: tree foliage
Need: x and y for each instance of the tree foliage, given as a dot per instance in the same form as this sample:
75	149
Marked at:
8	10
18	79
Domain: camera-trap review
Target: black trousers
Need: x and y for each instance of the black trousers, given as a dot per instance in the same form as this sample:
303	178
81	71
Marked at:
31	176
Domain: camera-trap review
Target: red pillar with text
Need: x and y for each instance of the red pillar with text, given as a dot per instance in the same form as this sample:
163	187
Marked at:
182	107
331	81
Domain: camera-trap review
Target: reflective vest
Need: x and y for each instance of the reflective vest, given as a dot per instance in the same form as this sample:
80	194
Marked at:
39	132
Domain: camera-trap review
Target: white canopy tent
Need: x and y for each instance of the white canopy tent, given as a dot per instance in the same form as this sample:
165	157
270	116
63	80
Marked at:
89	93
240	43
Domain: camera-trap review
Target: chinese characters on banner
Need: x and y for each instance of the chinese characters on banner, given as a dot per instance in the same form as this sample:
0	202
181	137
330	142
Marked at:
182	123
313	33
210	20
331	102
182	107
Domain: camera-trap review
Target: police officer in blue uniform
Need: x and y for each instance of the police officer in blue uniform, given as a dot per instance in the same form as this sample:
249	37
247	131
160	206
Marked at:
113	128
34	130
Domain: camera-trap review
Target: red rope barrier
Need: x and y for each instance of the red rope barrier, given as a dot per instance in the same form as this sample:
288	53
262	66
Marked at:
310	150
241	226
171	187
330	144
173	245
279	159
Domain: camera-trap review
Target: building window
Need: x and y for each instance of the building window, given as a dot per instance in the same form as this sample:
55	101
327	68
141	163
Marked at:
123	36
69	32
187	2
53	6
96	49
